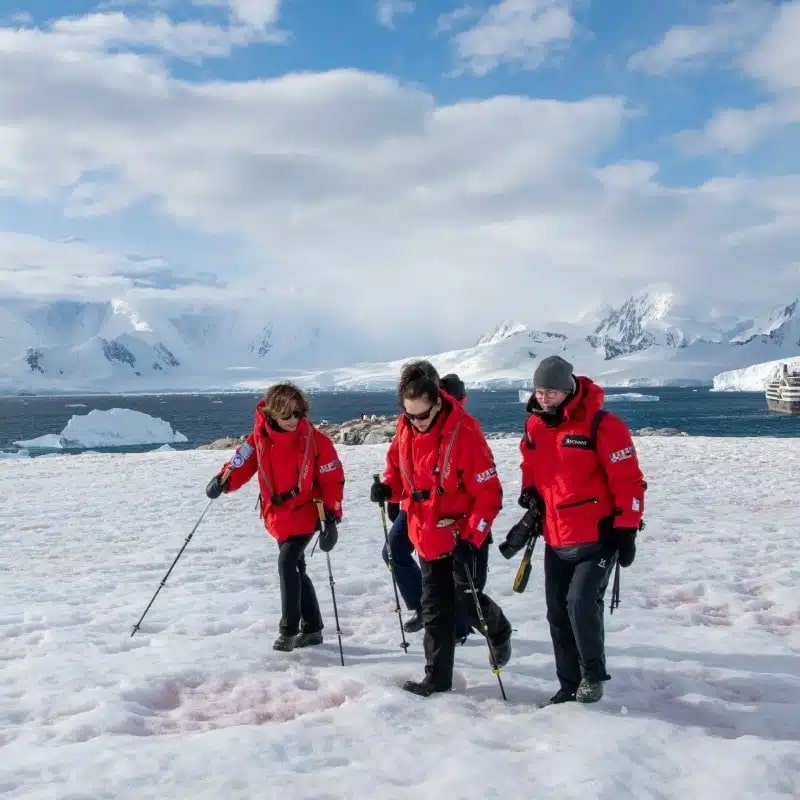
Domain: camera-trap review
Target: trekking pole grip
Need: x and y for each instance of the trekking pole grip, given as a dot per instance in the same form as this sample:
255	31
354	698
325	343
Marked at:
377	479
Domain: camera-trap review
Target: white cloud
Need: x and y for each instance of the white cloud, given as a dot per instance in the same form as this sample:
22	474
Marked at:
256	13
730	29
774	59
387	10
353	191
448	22
519	32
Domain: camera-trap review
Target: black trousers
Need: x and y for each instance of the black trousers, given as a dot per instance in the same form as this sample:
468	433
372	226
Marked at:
574	591
446	592
298	598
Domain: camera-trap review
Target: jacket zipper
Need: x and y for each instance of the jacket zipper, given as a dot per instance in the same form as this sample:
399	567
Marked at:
577	503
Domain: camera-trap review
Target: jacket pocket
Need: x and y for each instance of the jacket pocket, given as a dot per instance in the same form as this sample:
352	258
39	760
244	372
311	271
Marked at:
576	503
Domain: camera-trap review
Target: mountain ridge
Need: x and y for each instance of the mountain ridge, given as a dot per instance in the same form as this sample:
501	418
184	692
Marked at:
653	338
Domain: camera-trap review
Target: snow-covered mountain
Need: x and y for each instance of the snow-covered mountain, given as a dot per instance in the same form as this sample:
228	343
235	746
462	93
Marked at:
652	339
112	346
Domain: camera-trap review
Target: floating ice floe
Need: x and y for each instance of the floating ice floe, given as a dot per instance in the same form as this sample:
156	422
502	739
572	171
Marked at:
117	427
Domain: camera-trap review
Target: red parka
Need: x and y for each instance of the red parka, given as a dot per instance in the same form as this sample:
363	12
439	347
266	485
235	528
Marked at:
445	479
294	468
582	481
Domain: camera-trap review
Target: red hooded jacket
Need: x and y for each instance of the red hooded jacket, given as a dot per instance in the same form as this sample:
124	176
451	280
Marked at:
450	469
582	482
294	468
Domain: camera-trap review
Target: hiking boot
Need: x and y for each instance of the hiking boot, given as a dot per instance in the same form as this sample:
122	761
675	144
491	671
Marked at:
308	638
284	643
413	624
589	691
424	688
561	696
502	652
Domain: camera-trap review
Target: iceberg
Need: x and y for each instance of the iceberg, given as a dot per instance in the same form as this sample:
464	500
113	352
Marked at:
117	427
631	397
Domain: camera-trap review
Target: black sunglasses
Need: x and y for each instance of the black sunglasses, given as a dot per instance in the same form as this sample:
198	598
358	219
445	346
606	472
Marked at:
422	416
293	414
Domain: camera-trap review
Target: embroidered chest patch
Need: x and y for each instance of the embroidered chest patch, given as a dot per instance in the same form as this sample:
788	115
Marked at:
575	440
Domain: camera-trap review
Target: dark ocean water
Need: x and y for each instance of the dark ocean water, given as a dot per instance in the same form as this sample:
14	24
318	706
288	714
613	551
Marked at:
205	417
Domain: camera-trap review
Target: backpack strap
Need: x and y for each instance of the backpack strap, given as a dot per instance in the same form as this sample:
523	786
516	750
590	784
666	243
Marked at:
594	426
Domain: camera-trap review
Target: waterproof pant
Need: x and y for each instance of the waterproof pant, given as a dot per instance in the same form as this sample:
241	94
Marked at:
574	592
446	592
298	598
408	575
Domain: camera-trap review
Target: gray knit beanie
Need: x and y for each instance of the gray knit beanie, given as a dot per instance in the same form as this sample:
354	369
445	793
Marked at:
554	373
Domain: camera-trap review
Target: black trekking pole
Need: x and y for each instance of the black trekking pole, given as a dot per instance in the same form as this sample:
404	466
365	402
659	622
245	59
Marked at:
485	630
321	512
614	591
404	645
164	580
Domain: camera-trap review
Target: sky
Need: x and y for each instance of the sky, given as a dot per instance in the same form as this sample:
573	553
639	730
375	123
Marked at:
418	172
703	652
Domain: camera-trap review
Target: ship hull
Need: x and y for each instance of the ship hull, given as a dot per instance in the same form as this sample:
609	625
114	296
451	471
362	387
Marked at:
784	406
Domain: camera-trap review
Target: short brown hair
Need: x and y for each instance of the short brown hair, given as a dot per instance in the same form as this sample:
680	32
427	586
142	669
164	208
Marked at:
418	379
282	398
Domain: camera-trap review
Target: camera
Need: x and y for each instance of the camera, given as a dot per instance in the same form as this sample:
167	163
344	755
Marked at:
529	527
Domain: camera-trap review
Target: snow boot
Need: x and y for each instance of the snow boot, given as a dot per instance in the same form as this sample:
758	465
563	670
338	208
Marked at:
413	624
308	638
424	688
589	691
561	696
284	643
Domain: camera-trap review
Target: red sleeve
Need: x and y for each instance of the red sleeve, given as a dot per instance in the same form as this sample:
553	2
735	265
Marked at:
617	455
243	464
527	463
329	474
392	476
479	475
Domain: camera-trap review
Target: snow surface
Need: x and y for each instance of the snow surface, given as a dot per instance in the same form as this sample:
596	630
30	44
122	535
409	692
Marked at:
753	378
704	651
116	427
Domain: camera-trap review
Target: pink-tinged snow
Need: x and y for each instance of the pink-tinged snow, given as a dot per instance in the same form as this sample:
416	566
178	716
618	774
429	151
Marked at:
704	652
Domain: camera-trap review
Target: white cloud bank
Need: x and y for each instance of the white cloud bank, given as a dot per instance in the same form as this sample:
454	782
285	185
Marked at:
423	221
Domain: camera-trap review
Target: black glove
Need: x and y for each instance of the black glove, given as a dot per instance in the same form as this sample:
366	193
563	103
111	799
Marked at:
464	554
521	533
528	497
392	511
380	492
625	541
330	533
216	487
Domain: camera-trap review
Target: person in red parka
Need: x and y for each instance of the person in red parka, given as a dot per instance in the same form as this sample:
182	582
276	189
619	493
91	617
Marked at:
579	465
441	469
296	464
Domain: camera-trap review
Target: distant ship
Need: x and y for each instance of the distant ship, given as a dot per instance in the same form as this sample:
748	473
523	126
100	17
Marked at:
783	391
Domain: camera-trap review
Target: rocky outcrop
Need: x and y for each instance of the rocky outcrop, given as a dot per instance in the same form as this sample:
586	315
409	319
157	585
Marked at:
369	430
226	443
379	430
